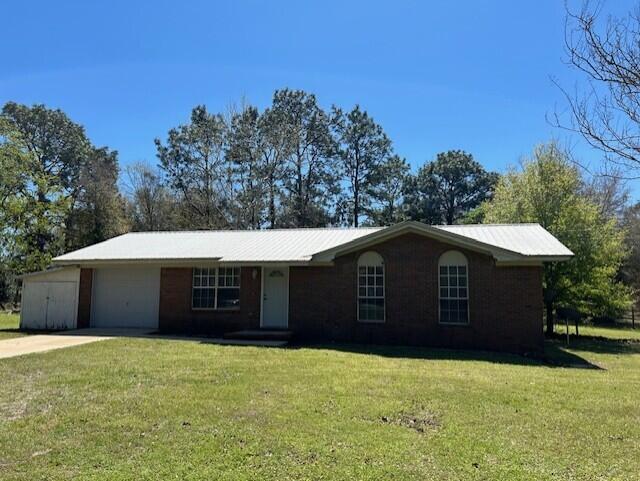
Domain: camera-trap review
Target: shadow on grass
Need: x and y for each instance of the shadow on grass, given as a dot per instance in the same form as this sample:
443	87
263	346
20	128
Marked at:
554	355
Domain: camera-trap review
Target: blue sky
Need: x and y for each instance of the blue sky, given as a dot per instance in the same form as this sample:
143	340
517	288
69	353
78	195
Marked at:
472	75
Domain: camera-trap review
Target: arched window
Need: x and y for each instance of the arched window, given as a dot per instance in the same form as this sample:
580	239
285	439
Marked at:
370	287
454	288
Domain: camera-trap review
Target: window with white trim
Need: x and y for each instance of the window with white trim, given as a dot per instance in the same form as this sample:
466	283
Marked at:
216	288
371	287
454	288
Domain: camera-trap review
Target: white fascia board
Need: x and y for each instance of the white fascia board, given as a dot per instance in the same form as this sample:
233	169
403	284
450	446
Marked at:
179	262
531	260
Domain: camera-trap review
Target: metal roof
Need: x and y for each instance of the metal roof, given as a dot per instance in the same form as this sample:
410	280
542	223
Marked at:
524	239
300	245
276	245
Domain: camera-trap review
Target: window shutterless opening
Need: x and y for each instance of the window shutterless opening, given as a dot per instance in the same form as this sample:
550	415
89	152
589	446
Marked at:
215	288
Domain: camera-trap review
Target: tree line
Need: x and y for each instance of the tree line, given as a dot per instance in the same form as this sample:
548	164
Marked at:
295	164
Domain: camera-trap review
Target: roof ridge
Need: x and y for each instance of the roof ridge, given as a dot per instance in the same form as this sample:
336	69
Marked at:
288	229
503	224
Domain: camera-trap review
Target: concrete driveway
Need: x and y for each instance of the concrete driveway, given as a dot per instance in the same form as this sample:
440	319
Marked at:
48	342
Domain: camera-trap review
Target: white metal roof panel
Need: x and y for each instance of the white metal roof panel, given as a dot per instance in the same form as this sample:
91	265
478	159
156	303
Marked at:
277	245
525	239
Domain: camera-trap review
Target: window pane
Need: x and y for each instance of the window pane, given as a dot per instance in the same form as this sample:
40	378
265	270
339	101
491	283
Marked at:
453	294
371	293
377	313
203	298
228	297
196	281
363	310
212	280
236	277
371	309
197	297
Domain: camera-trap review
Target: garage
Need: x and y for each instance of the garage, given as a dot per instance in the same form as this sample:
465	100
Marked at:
125	297
50	299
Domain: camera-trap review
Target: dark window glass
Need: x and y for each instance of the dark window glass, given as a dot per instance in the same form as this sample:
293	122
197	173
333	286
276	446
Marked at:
228	298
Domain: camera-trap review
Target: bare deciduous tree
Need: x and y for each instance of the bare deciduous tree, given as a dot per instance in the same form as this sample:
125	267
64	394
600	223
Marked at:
606	109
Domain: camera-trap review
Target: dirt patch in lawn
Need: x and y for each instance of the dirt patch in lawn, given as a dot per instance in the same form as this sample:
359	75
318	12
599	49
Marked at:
421	420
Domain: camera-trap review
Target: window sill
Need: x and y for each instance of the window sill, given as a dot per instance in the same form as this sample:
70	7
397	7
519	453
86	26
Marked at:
460	324
371	322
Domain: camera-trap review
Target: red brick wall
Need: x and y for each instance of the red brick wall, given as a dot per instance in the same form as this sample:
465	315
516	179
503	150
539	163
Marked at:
176	313
505	303
84	298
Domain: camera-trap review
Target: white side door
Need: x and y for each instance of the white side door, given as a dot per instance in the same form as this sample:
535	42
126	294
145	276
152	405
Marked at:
33	309
127	296
275	297
61	305
49	305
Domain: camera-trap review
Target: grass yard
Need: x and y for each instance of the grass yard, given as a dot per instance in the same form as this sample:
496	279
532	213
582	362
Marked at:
9	325
160	409
611	332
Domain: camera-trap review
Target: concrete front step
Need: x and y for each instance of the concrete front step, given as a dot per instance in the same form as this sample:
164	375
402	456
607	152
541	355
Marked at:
260	335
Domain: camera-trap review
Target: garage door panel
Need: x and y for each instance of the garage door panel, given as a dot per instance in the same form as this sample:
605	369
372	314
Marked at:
126	297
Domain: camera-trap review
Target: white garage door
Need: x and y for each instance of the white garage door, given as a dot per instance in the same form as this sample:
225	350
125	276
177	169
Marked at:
48	305
126	297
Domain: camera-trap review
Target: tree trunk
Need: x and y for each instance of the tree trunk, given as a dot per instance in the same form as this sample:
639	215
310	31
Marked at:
549	306
356	210
272	205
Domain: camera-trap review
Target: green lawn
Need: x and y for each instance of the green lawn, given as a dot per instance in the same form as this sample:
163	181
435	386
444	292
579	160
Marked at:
612	332
161	409
9	324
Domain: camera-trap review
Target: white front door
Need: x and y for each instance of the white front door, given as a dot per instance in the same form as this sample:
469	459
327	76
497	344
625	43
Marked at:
275	297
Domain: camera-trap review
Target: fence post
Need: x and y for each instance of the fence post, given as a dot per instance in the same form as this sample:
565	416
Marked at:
566	325
633	318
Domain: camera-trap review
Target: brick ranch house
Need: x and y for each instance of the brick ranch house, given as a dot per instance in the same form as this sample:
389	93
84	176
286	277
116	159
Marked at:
466	286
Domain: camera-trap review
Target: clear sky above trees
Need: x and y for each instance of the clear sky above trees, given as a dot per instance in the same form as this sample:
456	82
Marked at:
471	75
